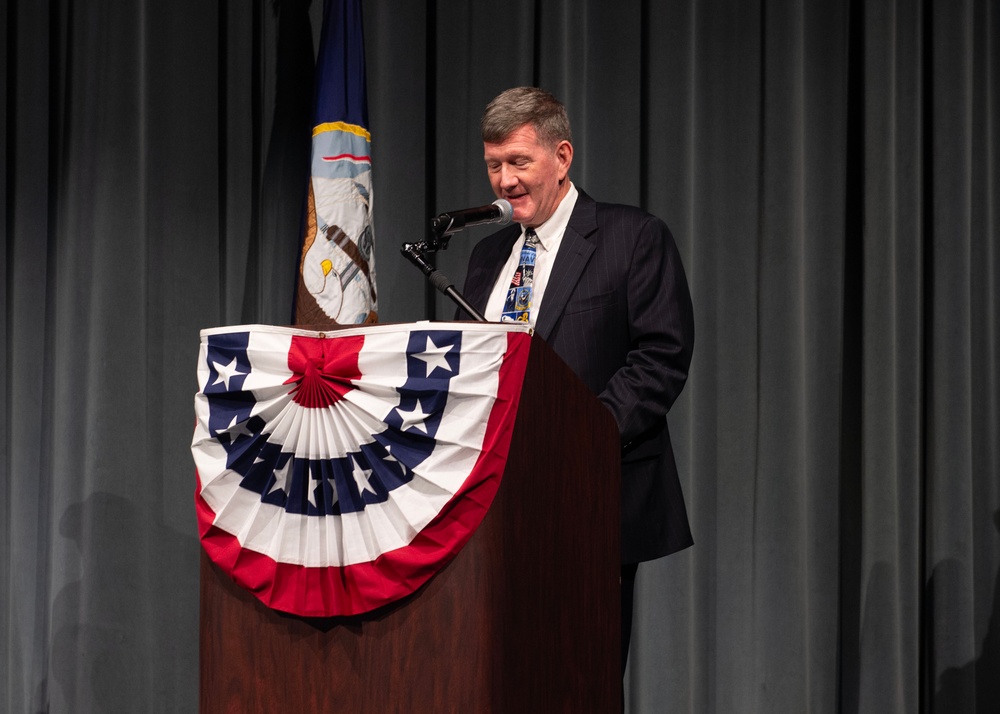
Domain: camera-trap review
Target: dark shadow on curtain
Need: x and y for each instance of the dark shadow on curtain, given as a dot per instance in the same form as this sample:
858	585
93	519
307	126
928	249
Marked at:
974	687
100	635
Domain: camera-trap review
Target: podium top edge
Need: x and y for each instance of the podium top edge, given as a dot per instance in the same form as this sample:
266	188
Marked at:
350	330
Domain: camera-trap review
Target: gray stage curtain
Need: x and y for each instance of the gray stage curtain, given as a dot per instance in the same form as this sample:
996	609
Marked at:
830	170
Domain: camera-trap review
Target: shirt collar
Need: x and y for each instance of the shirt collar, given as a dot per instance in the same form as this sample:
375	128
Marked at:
550	232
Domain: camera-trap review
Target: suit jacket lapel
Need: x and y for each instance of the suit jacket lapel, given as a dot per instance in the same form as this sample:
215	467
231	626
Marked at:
574	254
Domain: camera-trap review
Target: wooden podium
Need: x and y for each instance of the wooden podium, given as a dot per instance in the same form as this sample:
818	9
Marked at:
526	618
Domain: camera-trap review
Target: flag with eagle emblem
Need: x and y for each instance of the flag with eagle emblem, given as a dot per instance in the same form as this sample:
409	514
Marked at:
336	280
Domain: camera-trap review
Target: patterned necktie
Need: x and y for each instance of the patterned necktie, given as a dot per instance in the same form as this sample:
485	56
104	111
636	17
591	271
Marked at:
518	303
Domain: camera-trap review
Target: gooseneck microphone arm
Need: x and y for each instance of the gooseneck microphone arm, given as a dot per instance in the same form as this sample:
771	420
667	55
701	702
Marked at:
414	252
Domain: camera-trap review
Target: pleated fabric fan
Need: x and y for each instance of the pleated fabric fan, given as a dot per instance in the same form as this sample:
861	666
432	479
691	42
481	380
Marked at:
337	472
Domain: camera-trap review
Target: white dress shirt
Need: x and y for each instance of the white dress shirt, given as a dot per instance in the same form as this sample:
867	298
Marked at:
550	236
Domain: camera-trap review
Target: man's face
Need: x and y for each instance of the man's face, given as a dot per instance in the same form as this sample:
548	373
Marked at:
530	175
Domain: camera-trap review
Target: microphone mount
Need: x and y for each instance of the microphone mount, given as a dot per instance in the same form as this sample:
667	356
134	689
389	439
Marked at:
442	227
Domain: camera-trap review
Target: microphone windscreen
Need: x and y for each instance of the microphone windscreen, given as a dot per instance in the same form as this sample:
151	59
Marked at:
506	210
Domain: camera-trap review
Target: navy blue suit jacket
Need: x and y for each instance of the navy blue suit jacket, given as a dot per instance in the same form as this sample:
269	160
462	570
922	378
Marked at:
618	311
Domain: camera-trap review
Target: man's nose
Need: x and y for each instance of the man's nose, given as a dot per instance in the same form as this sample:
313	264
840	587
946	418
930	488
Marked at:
508	179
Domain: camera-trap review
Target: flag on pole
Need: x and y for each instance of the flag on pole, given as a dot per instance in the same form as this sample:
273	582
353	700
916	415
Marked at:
337	268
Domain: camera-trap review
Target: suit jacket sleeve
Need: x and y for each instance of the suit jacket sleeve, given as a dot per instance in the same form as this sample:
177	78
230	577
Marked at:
661	337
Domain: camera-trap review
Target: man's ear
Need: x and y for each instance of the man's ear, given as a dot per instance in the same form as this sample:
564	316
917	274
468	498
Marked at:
564	158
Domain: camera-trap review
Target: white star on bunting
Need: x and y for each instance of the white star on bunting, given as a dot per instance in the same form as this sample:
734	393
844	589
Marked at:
434	356
361	478
237	430
226	372
415	418
281	474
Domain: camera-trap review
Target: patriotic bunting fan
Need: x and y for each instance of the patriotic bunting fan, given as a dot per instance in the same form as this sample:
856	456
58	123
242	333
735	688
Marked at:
337	472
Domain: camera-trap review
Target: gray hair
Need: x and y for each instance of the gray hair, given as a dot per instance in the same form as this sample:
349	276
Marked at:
514	108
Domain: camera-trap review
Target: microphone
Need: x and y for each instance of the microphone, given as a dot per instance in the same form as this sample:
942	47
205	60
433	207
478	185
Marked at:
500	211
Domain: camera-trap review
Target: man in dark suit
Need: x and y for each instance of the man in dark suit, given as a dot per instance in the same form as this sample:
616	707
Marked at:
608	294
